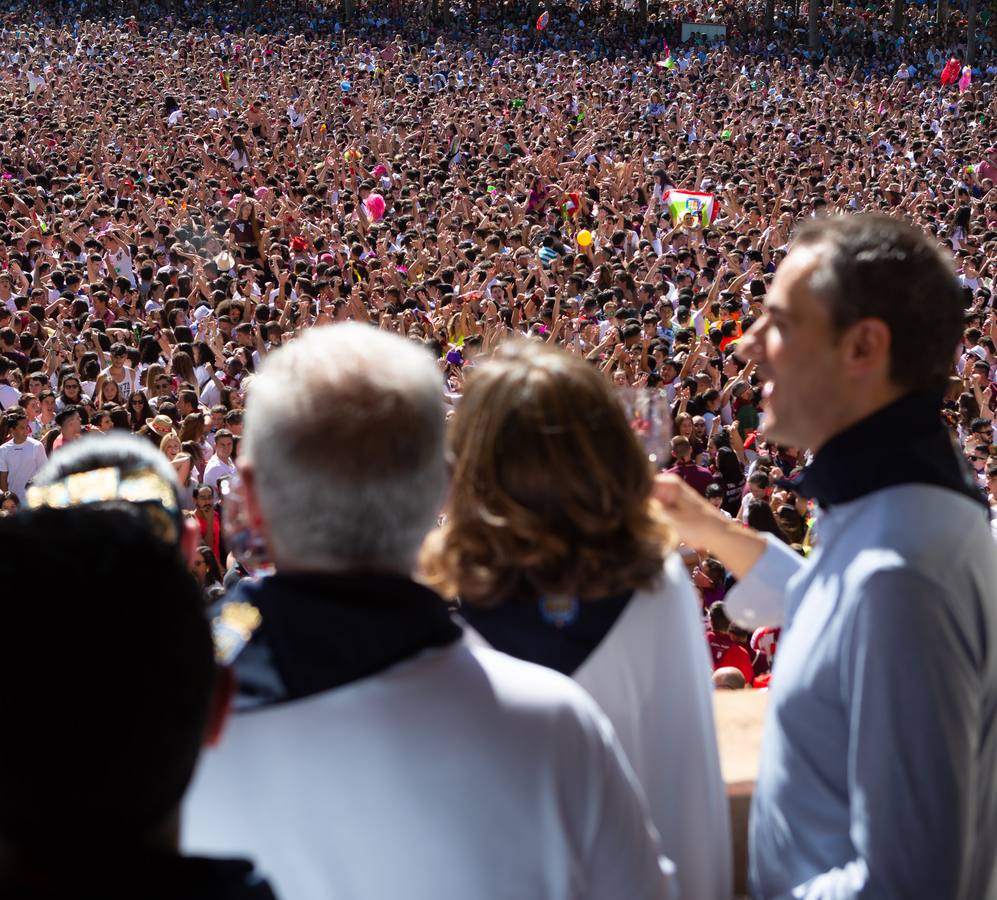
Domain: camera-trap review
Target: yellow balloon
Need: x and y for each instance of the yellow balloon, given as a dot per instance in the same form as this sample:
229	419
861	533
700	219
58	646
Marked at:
584	238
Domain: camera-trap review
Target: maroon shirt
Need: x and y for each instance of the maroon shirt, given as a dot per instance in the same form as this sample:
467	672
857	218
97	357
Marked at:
695	476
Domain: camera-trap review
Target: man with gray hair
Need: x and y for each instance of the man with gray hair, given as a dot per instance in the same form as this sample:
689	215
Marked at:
378	754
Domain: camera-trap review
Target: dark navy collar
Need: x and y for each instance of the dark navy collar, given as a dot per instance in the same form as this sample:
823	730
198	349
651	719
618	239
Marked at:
903	443
321	631
560	635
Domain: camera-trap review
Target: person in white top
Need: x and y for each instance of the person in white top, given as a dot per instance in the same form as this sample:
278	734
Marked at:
20	458
378	753
9	395
559	555
221	464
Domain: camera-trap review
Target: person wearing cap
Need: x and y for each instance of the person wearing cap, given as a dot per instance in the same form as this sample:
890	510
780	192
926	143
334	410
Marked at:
159	426
101	813
874	781
378	752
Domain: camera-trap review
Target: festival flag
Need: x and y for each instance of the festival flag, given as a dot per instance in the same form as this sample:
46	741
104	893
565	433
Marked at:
224	79
681	203
543	20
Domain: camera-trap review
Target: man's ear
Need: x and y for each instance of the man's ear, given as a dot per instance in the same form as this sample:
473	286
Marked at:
867	350
222	694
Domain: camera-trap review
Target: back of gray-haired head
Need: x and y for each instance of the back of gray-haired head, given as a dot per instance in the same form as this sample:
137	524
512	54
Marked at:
344	431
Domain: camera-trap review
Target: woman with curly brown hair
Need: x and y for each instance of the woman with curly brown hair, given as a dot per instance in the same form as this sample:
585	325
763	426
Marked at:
561	557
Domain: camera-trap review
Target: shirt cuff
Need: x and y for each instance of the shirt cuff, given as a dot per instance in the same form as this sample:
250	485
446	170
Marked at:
759	599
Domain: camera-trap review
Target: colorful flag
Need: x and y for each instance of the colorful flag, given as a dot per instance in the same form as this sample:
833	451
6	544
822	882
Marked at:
543	20
682	203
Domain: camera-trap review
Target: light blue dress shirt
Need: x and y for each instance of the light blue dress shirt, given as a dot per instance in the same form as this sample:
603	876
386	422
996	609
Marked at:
878	775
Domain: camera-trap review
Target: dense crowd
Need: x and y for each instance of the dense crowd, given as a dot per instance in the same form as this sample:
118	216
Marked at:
184	191
558	243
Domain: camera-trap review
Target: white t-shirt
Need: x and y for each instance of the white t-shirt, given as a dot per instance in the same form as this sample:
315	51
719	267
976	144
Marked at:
217	469
459	773
122	262
21	462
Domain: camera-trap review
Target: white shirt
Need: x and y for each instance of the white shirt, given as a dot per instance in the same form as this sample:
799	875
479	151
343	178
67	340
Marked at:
217	469
9	396
651	676
459	773
21	462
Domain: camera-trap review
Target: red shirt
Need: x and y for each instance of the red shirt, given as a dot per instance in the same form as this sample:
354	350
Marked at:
216	537
695	476
726	652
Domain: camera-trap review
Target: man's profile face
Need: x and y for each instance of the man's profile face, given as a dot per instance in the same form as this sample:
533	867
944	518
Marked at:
20	430
798	358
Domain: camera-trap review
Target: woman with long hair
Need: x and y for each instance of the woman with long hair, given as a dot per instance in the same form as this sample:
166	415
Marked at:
192	432
560	556
730	473
70	392
182	367
204	567
139	410
761	518
107	392
246	232
189	464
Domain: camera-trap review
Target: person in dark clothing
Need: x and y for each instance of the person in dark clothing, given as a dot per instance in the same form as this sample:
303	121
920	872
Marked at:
106	703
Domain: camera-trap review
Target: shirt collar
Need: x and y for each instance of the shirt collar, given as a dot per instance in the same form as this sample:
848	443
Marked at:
902	443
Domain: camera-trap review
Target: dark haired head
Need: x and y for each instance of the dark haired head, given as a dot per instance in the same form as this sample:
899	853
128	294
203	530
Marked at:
107	707
874	266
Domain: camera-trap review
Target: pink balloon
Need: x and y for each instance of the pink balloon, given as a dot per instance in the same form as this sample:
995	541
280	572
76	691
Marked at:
375	206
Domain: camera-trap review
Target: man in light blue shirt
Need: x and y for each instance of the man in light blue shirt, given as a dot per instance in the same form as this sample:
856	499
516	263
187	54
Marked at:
878	776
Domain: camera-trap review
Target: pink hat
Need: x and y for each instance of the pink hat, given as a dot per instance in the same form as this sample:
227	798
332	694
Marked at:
326	258
379	170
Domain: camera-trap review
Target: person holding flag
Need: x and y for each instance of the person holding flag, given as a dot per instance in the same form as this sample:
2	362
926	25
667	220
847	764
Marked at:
697	205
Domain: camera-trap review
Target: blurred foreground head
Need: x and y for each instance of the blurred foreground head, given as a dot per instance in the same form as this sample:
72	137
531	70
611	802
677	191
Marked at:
343	450
107	681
